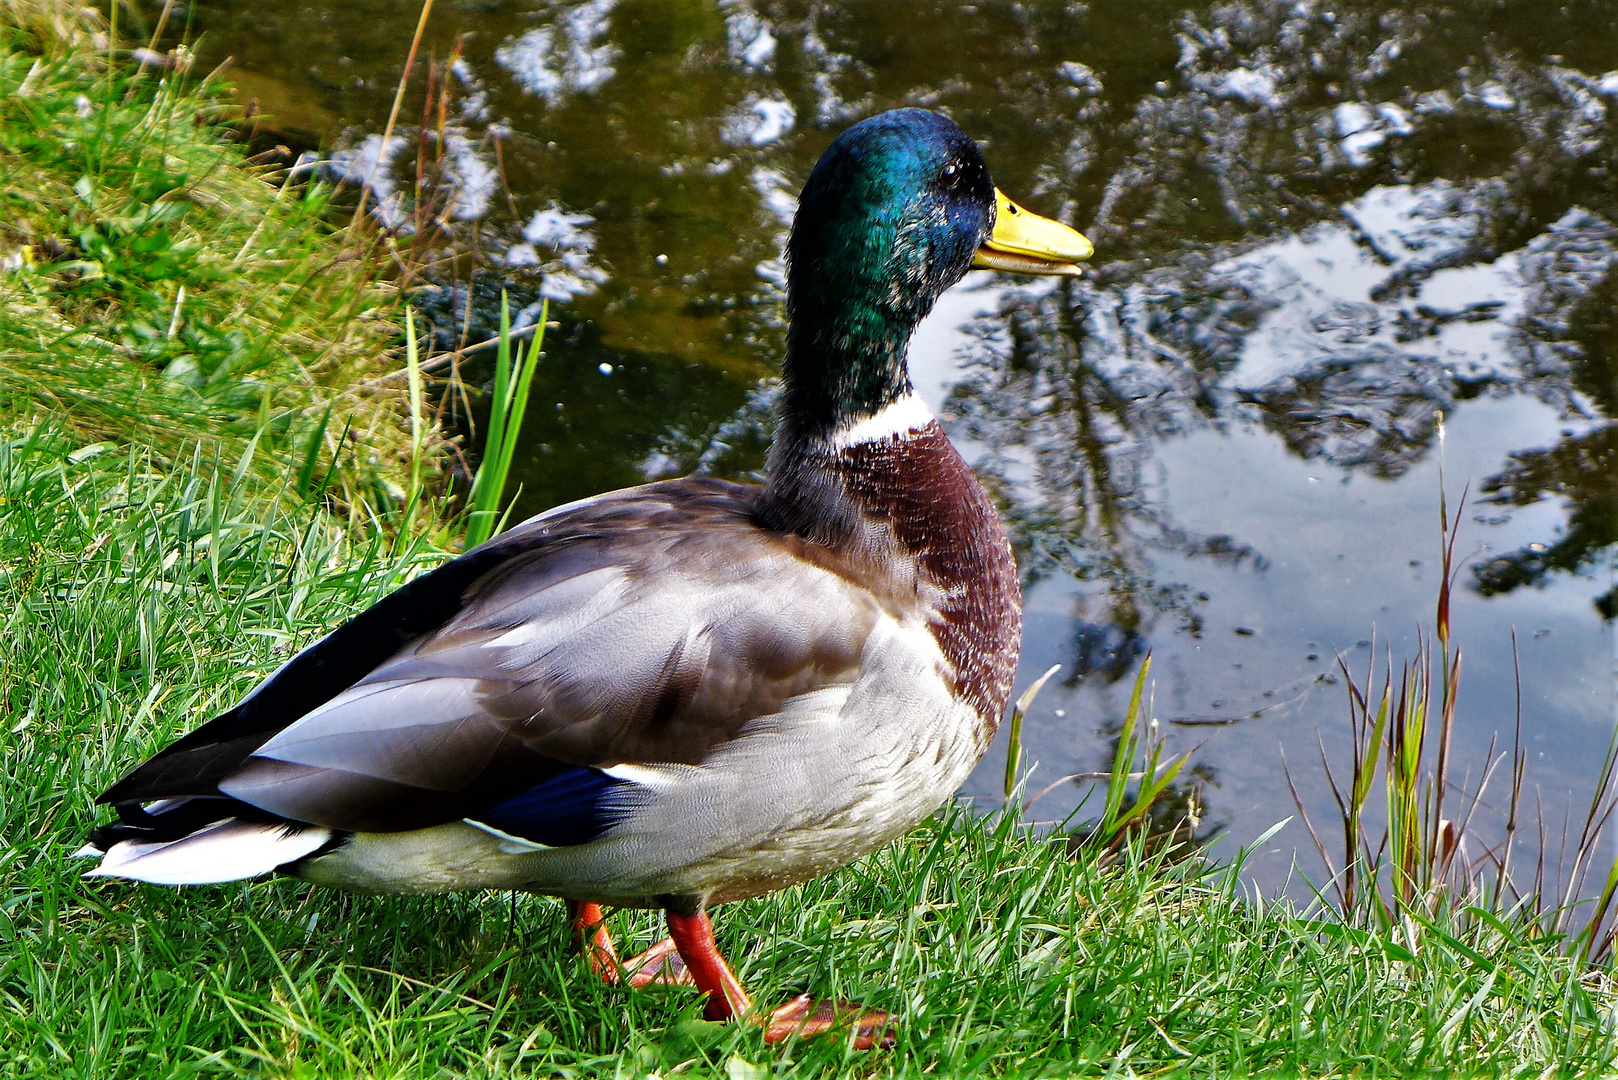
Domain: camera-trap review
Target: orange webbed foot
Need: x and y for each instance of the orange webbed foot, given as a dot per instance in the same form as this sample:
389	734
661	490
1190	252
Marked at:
658	966
689	957
805	1017
589	924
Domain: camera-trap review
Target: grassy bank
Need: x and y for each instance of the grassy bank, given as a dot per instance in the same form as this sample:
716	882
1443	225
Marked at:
158	291
177	515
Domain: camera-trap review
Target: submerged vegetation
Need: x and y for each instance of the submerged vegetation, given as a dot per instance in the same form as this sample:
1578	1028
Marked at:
207	404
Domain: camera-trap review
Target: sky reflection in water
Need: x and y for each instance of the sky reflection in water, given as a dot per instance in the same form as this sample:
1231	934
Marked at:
1317	229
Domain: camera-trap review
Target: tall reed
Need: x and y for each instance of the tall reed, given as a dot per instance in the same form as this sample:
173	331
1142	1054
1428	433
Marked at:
514	368
1428	867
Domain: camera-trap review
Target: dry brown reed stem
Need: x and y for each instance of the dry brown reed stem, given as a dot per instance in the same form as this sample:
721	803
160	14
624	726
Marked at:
398	103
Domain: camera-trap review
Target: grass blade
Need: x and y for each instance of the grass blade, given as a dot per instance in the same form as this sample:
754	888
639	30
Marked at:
513	378
311	457
1014	742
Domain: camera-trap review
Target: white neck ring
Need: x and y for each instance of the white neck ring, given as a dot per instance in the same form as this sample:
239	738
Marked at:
905	417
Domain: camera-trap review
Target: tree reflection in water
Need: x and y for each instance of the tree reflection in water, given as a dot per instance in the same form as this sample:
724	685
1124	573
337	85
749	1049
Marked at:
1582	470
1501	170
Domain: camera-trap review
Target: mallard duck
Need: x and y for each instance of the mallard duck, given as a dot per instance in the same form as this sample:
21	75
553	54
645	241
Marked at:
678	694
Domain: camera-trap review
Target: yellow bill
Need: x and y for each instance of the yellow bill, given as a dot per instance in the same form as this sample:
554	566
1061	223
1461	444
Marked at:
1025	243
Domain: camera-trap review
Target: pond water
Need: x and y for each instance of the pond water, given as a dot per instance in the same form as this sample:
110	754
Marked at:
1319	230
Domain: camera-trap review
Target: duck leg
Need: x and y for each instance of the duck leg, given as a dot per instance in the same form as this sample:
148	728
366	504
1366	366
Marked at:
802	1016
660	965
589	924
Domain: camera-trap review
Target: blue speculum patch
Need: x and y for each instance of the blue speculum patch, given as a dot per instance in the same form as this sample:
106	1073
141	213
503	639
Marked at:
572	807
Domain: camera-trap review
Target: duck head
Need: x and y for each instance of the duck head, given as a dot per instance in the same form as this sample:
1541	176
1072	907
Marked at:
897	210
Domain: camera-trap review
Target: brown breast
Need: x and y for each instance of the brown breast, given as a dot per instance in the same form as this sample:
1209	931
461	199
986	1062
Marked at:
926	502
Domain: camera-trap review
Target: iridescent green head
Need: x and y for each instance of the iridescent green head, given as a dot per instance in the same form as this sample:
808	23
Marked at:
896	211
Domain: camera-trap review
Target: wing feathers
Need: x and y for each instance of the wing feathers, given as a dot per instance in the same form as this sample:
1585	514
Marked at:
647	627
429	734
573	807
315	676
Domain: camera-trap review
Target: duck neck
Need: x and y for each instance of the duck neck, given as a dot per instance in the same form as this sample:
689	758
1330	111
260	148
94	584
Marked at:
844	382
852	306
844	364
818	485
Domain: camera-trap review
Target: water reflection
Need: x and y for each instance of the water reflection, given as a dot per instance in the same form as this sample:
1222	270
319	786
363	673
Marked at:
660	415
1318	229
1581	470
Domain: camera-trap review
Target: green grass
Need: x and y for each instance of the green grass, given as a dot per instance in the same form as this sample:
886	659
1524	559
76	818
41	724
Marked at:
142	597
153	289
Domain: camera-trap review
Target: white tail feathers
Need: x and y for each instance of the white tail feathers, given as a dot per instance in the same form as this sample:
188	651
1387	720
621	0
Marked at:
227	850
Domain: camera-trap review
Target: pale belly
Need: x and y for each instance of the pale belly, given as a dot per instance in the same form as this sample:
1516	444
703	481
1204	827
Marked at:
800	794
